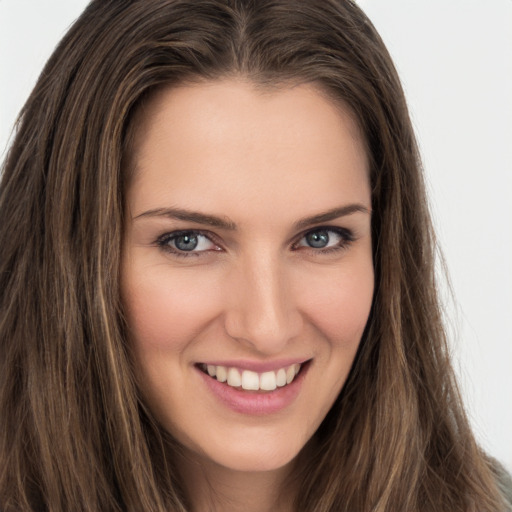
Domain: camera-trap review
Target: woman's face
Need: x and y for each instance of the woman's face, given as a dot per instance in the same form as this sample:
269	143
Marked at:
247	271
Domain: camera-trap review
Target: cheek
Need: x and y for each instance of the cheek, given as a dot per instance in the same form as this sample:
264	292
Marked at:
339	304
165	309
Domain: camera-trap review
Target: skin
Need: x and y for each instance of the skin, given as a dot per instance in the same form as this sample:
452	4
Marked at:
261	160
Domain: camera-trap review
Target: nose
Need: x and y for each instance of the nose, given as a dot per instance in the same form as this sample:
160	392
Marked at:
262	312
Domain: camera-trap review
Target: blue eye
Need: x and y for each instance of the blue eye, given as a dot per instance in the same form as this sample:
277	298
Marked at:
194	243
185	243
326	239
317	239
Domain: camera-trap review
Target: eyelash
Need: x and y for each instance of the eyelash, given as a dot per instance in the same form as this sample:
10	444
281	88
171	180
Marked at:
346	235
164	241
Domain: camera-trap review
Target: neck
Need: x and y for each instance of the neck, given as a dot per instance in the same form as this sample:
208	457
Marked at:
215	488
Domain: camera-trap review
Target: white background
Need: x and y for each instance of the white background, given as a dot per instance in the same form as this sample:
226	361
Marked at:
455	60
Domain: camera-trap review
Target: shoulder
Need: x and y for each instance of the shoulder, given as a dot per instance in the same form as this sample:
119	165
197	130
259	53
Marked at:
504	481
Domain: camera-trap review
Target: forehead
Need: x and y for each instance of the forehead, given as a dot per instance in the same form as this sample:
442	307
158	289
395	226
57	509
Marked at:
207	97
219	138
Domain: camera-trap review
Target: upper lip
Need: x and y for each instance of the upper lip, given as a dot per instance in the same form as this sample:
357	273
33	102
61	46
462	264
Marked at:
256	366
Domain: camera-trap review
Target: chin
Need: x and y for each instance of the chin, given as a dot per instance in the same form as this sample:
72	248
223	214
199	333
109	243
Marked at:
262	455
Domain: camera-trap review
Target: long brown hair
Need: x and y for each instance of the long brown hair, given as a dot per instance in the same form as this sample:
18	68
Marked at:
74	433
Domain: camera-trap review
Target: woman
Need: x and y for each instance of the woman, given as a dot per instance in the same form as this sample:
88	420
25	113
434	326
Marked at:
217	276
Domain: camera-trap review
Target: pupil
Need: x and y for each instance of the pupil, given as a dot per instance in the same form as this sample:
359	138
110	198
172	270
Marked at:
317	239
186	242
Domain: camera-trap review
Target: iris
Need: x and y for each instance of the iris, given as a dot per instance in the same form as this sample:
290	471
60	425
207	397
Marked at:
317	239
186	242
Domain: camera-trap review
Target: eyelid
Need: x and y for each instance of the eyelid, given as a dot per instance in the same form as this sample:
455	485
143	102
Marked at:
180	232
346	234
163	240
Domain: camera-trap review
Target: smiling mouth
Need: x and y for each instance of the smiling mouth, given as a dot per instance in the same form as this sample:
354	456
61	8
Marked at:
252	381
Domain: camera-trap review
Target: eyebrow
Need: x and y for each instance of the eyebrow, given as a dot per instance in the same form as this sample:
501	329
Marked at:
225	223
335	213
190	216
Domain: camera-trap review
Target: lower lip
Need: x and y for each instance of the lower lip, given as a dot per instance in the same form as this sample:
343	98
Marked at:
254	402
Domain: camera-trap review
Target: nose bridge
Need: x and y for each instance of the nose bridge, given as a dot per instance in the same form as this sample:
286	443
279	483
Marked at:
262	312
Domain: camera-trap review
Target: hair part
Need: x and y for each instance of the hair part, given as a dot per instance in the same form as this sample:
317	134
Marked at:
75	432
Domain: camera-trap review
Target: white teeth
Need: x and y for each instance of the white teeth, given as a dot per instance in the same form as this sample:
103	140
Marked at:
222	374
252	381
234	378
268	381
281	378
290	374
